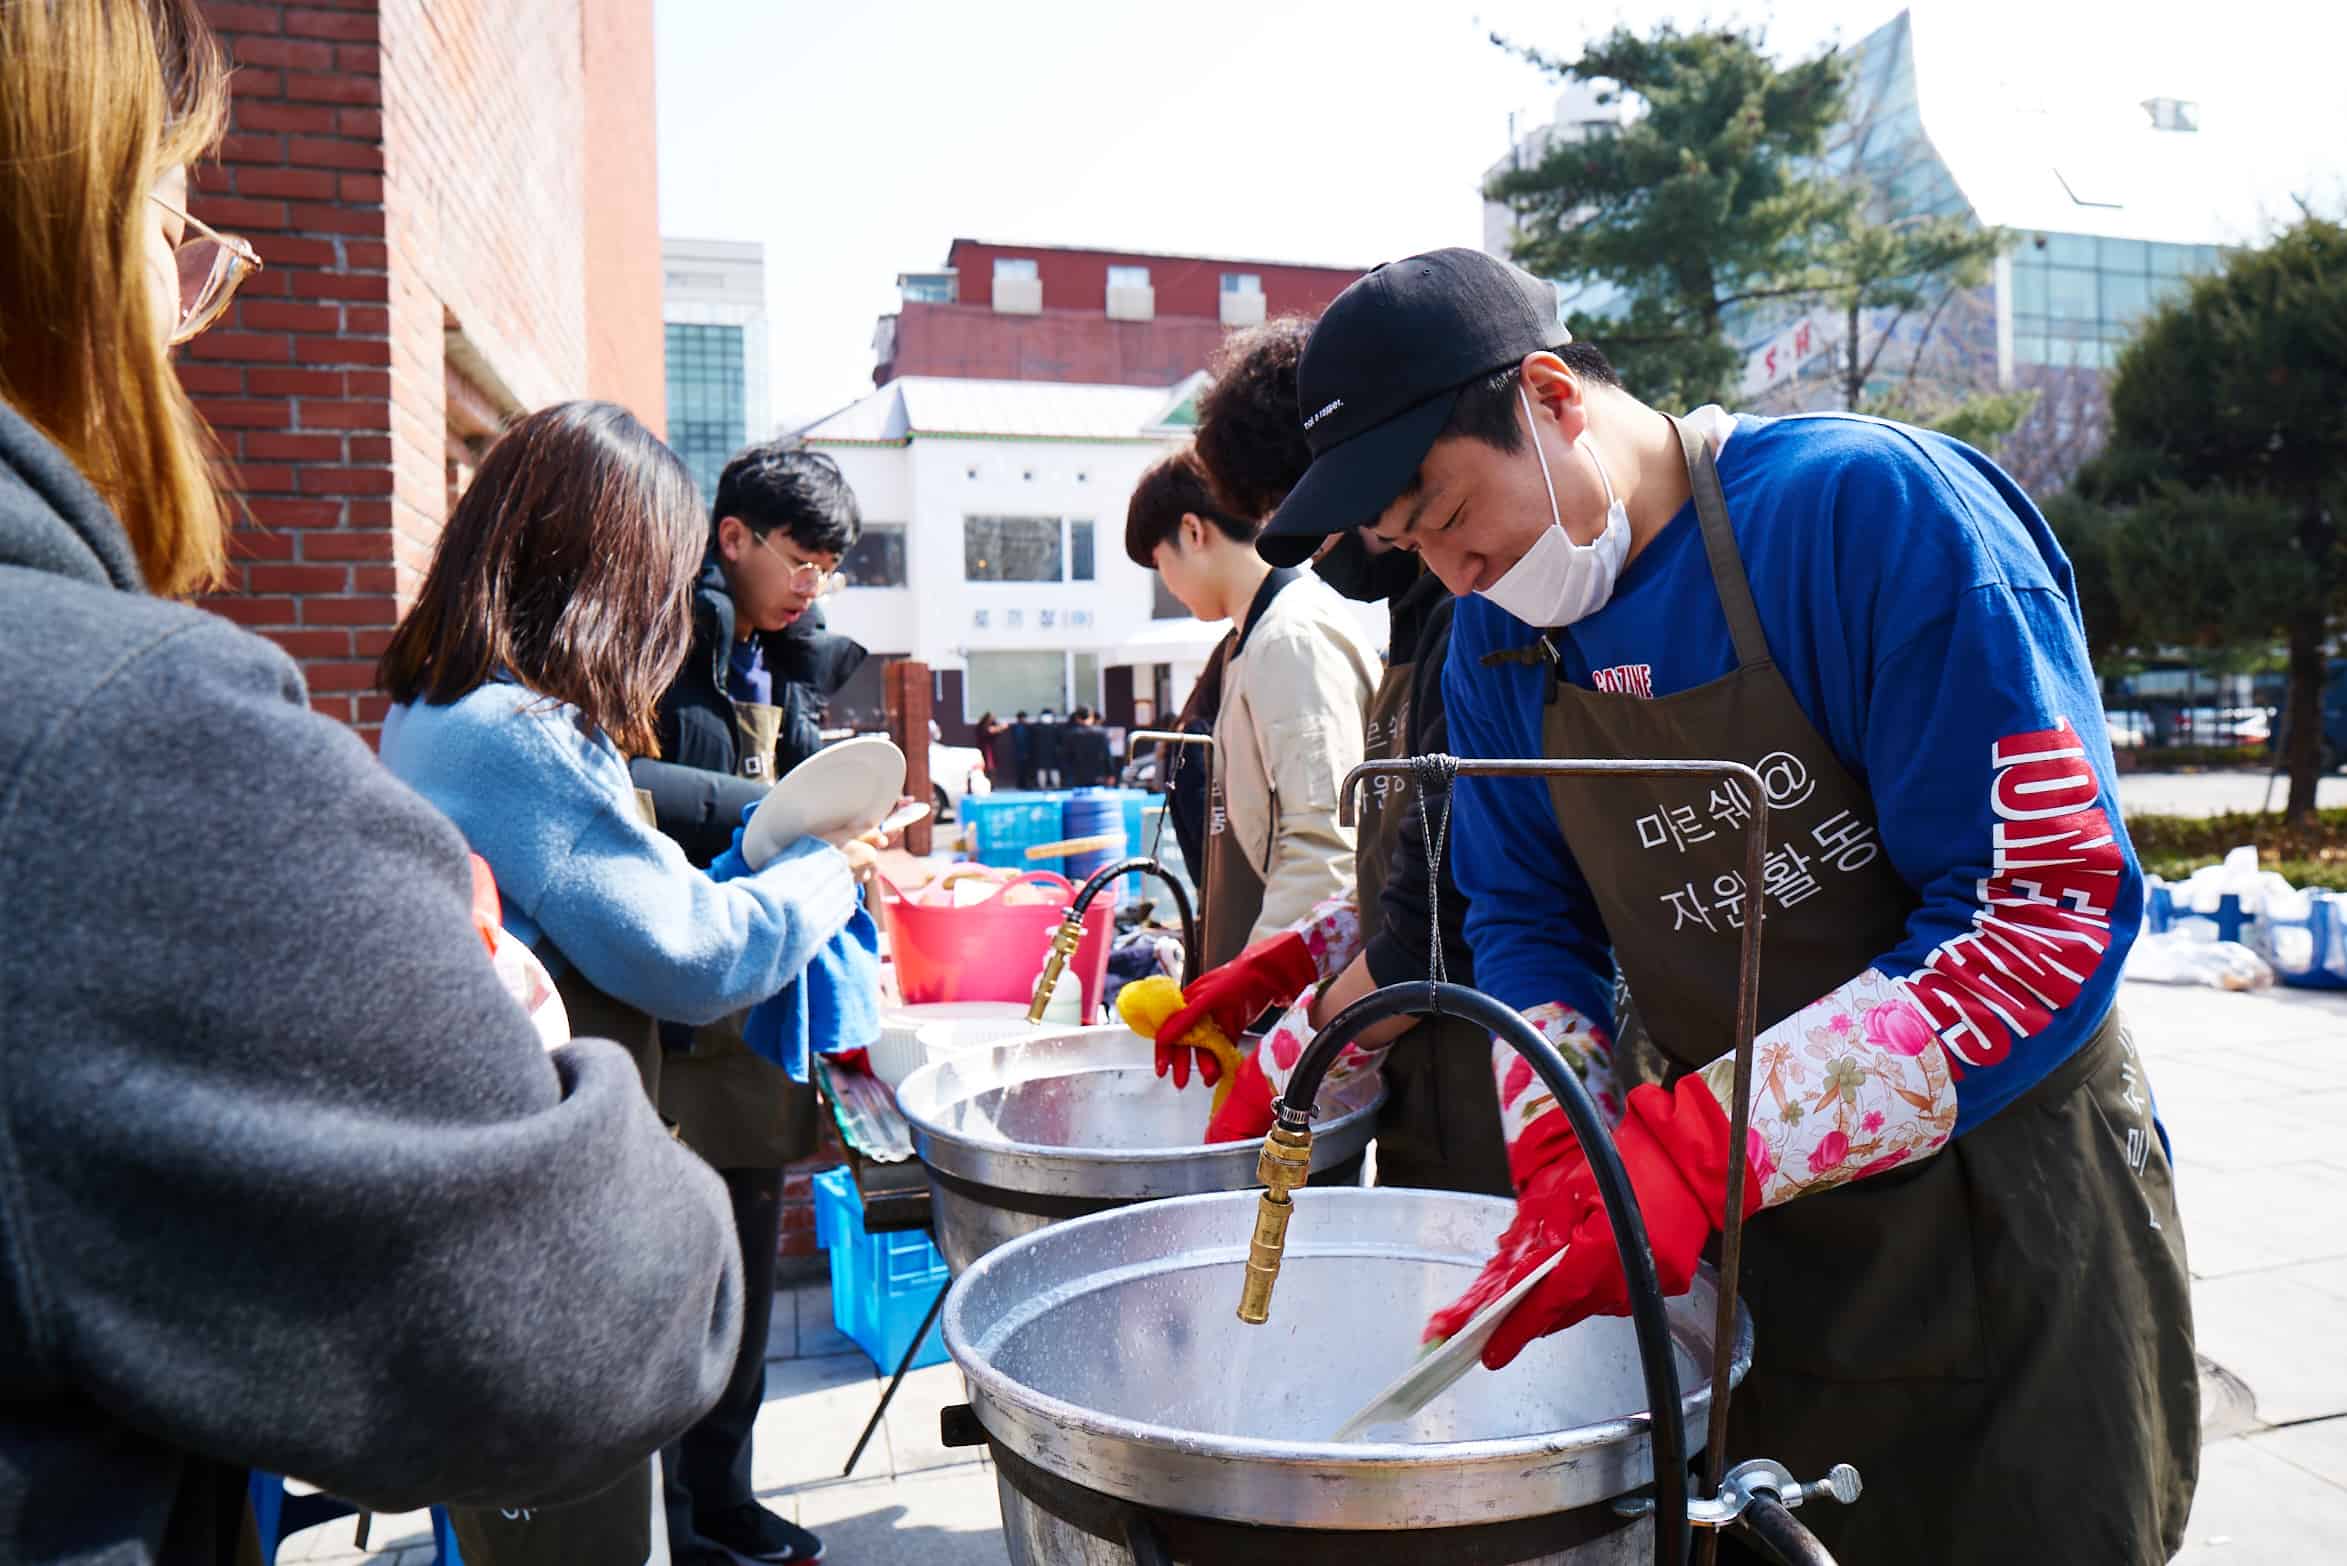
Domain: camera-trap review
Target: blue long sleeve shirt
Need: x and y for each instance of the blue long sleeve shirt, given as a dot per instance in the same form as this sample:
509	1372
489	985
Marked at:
586	882
1928	626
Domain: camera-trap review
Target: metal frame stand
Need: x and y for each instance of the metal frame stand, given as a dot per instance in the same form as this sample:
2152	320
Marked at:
904	1368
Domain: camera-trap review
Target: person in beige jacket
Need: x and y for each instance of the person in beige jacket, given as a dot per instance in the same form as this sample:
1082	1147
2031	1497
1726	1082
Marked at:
1295	689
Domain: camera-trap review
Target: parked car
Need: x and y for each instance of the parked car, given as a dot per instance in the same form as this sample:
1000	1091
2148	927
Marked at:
956	772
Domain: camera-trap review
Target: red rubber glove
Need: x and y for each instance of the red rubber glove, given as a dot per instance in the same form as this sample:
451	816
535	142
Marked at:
1545	1162
1674	1144
1246	1113
1272	972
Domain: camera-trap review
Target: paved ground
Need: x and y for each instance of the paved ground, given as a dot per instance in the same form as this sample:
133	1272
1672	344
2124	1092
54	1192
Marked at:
2214	793
2253	1089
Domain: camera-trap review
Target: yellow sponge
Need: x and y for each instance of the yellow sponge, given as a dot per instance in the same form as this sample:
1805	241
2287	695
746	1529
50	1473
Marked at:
1146	1003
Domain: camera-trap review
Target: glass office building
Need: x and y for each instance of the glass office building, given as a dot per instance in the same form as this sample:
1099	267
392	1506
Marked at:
708	404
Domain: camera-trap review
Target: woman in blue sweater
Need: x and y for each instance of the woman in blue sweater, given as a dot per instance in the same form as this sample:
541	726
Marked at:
557	610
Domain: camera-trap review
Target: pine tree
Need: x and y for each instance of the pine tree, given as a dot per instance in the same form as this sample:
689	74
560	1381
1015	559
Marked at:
2227	469
1705	200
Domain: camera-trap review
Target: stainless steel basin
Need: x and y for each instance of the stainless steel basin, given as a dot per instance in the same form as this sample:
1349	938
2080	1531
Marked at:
1106	1353
1034	1131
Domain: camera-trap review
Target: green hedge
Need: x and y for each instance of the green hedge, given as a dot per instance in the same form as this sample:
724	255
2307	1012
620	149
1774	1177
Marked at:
2312	853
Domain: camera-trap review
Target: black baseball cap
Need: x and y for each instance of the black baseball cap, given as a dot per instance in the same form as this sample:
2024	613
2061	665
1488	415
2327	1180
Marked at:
1381	371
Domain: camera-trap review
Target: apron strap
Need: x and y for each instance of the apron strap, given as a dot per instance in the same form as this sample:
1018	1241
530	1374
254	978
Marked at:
1719	546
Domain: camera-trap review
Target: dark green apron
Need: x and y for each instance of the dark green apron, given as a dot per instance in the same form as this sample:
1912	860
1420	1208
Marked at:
1232	898
615	1526
1435	1131
1998	1336
734	1107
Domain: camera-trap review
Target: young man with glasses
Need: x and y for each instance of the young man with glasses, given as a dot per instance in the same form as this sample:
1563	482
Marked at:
749	699
746	708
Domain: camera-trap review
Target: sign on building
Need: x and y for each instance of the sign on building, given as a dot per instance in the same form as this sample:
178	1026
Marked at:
1782	356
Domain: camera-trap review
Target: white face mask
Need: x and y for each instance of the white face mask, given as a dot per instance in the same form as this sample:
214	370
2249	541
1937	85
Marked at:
1558	581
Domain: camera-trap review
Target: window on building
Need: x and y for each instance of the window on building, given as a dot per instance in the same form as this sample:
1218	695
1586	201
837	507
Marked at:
2070	294
707	399
1163	605
2126	296
1027	549
2069	250
877	557
927	287
1084	680
1242	283
2076	299
1128	277
1009	269
1011	549
1006	682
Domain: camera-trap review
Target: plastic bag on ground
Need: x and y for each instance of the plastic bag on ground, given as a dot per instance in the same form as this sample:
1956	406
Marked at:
2177	958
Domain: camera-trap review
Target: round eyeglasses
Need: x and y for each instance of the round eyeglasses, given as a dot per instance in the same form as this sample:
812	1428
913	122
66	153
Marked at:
212	266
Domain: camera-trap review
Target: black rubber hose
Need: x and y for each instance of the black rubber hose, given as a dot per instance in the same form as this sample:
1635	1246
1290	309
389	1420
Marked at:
1101	878
1768	1526
1666	1427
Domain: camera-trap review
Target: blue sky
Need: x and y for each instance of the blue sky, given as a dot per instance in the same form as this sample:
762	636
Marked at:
857	140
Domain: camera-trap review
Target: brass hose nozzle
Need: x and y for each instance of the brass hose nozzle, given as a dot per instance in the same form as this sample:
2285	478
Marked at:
1285	1164
1063	946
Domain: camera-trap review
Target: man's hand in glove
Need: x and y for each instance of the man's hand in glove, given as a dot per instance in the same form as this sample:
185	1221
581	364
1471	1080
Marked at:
1674	1145
1272	972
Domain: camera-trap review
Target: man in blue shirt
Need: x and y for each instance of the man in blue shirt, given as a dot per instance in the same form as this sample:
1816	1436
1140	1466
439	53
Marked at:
1962	1252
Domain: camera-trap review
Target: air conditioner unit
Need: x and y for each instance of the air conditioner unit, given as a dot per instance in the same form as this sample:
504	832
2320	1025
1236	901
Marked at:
1242	309
1018	296
1132	304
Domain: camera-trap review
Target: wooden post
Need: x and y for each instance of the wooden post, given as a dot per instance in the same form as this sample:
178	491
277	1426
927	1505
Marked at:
904	688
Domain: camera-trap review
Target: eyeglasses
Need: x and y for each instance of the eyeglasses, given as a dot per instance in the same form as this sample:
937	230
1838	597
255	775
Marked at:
803	577
212	266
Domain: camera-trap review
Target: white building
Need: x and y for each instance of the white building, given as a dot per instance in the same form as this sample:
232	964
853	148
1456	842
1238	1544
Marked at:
994	519
1579	116
994	516
713	301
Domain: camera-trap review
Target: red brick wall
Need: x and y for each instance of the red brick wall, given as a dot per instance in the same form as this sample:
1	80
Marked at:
626	348
1073	339
405	176
798	1194
971	342
1184	285
297	378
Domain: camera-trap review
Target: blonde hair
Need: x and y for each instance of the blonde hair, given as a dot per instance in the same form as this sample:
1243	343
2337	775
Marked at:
97	99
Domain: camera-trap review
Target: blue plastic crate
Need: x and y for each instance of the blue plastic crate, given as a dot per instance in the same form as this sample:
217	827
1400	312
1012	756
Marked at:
881	1284
1005	825
1136	804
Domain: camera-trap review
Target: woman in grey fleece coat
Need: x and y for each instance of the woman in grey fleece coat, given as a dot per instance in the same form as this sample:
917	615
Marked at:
286	1178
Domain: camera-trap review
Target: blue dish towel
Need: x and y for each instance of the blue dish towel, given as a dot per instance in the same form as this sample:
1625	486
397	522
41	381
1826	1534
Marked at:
833	1005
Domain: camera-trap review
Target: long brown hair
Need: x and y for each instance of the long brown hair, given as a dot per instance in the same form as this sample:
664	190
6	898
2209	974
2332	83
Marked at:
97	99
569	565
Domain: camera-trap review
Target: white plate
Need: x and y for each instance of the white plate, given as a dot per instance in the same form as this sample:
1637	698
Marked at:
840	791
1436	1370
